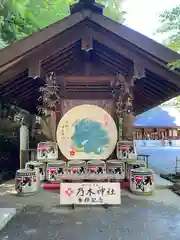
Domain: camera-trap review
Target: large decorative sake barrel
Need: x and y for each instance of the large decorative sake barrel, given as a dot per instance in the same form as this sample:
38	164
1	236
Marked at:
116	167
96	167
142	181
27	182
86	132
47	151
41	167
133	165
77	167
55	169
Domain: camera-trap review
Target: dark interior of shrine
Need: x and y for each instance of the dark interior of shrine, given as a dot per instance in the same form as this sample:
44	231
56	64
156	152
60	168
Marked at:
87	51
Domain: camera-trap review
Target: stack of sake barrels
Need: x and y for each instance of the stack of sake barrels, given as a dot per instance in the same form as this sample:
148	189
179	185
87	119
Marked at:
141	179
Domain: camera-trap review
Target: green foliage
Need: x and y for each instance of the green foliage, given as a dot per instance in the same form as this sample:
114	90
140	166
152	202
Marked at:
113	9
20	18
170	20
15	23
2	43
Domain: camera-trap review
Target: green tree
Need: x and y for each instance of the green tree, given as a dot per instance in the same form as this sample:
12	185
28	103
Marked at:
20	18
15	22
113	9
170	24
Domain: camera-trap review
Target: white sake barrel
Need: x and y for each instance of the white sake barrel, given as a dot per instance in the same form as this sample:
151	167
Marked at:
142	181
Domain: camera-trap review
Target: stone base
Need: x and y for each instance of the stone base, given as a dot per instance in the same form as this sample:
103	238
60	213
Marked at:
142	193
26	194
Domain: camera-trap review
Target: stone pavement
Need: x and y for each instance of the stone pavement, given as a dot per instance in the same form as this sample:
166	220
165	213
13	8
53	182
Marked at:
139	218
134	219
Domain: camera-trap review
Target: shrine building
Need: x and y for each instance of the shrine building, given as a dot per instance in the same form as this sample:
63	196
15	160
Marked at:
162	122
91	57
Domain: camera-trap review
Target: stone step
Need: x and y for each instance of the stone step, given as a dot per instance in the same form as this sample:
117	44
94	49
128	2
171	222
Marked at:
162	183
6	214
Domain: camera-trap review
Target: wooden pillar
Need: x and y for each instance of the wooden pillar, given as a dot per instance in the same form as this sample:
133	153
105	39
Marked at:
128	126
34	69
158	134
48	125
136	74
24	145
86	48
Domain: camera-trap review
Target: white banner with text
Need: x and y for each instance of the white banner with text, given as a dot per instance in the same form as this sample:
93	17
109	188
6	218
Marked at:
94	193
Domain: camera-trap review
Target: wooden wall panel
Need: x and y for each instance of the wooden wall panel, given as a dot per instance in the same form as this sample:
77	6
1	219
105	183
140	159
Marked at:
106	104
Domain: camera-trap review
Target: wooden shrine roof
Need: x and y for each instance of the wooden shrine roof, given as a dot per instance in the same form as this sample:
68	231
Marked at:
115	49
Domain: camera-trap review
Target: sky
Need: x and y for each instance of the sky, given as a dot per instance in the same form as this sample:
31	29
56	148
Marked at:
142	15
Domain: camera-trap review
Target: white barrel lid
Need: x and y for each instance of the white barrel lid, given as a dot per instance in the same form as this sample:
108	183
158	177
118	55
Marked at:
57	162
25	172
137	162
96	162
114	161
35	163
76	162
142	170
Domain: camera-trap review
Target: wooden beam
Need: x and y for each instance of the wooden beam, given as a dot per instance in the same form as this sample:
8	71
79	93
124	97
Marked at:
114	60
107	69
87	90
87	68
72	67
78	69
144	98
14	90
59	60
157	87
85	78
58	53
12	72
139	70
29	94
137	103
24	89
100	69
43	51
133	55
86	95
162	82
154	93
136	39
150	92
30	43
62	63
87	41
110	66
112	63
13	82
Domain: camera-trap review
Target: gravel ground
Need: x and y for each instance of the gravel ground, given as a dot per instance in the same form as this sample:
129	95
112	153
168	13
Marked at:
133	220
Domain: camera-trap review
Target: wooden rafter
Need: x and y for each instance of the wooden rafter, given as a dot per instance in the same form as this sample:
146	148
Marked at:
147	45
30	44
85	79
116	46
43	51
87	43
